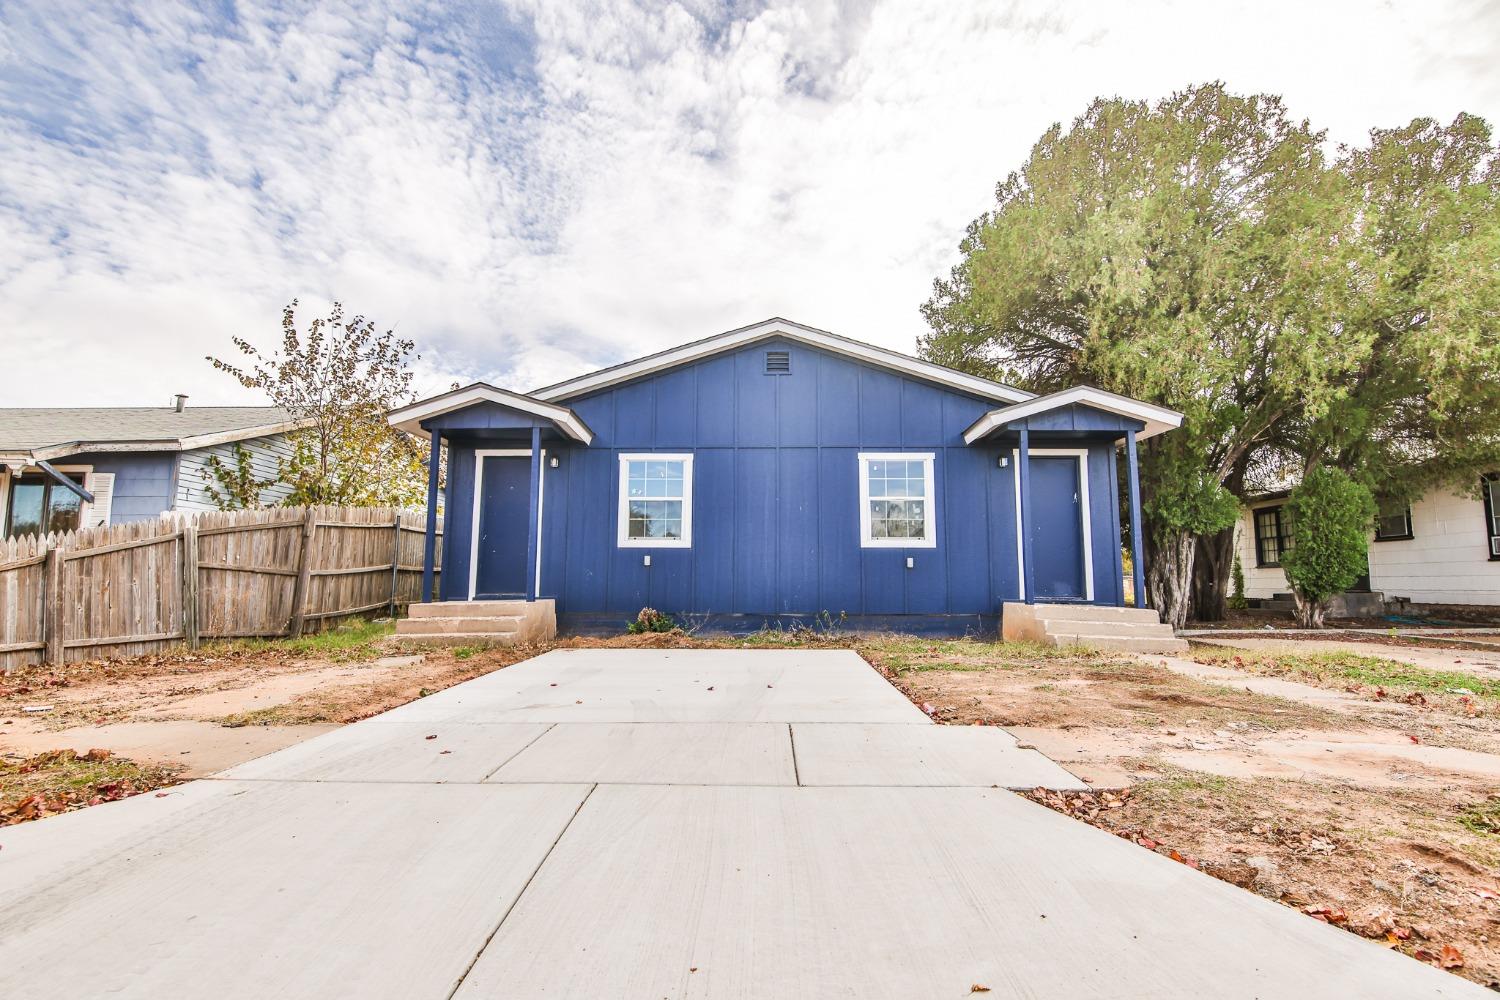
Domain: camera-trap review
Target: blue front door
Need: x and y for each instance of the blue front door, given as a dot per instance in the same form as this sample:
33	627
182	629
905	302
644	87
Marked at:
1057	529
504	510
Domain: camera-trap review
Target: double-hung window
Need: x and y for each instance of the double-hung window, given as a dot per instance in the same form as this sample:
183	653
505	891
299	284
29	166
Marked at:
1273	535
896	501
39	505
1392	521
656	501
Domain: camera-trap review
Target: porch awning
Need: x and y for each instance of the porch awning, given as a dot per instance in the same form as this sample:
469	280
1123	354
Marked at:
1157	419
409	418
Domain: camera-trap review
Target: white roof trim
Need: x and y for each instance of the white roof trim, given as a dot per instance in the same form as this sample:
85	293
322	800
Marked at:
409	418
831	342
1158	419
189	443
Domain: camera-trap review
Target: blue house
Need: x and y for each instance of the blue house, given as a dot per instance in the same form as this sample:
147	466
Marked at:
778	472
63	468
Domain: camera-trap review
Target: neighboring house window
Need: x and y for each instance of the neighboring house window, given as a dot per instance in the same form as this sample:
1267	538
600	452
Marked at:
656	501
1392	521
1273	535
896	501
1491	487
38	506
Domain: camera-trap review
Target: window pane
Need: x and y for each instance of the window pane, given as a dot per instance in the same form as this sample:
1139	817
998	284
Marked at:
63	509
916	529
916	470
877	470
636	470
1493	485
26	508
656	488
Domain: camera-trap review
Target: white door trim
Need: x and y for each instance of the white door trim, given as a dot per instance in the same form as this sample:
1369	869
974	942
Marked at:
1082	454
480	454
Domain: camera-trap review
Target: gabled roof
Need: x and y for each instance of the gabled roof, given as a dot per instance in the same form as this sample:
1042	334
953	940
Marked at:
1157	419
409	418
786	329
47	432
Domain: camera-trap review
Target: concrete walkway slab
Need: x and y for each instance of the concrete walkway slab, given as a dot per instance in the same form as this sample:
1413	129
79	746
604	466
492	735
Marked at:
982	756
627	685
276	890
703	753
398	751
899	893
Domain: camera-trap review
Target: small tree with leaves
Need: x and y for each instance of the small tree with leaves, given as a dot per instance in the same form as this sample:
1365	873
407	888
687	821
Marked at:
235	487
341	377
1331	515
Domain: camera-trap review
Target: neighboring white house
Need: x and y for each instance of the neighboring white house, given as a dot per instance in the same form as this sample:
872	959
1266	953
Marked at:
1443	549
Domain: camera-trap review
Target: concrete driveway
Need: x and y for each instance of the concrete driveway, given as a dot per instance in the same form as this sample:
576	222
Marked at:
623	824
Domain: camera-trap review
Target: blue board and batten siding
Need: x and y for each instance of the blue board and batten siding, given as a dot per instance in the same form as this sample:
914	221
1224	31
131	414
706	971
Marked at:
776	527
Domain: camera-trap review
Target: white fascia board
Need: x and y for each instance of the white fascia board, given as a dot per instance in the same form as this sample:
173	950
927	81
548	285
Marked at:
1158	419
409	418
832	343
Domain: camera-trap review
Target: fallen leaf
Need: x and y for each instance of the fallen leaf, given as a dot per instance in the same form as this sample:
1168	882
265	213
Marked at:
1486	894
1451	957
976	988
1412	738
432	737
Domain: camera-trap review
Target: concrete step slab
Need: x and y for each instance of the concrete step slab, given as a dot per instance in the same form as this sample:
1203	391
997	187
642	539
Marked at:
659	753
461	609
917	893
438	626
284	889
980	756
1126	628
1096	613
396	751
1122	643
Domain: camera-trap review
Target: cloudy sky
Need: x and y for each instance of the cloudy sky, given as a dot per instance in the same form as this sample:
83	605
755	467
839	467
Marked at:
530	189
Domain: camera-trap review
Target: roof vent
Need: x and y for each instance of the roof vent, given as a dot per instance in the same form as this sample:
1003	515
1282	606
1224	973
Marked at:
179	401
778	362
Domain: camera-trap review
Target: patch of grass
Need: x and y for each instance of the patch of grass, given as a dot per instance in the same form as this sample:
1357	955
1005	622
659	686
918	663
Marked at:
293	713
352	641
64	780
906	654
1482	817
464	652
1343	669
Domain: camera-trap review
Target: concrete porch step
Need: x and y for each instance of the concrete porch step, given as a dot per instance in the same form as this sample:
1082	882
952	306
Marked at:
1096	613
1125	628
443	626
1118	642
466	609
427	639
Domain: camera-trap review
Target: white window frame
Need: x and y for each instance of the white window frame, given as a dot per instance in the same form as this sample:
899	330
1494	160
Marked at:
929	500
1082	454
480	454
622	501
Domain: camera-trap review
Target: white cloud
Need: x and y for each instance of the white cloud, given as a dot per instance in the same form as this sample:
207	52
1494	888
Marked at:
534	190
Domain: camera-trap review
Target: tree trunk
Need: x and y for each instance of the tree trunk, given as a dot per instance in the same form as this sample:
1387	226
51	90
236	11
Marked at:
1169	575
1212	568
1309	613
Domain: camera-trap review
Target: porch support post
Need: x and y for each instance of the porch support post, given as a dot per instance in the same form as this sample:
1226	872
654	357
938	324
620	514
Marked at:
1023	474
534	528
429	547
1114	505
1137	550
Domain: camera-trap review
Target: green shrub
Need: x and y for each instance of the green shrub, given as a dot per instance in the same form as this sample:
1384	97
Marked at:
1331	516
651	620
1237	600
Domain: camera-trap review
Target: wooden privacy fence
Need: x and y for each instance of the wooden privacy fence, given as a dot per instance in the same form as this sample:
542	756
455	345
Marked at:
138	588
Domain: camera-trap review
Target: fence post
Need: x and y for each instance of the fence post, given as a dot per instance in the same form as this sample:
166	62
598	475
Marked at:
190	584
52	624
304	573
395	561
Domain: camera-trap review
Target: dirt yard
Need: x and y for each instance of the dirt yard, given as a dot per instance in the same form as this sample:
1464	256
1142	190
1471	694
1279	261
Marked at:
1359	787
1365	795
